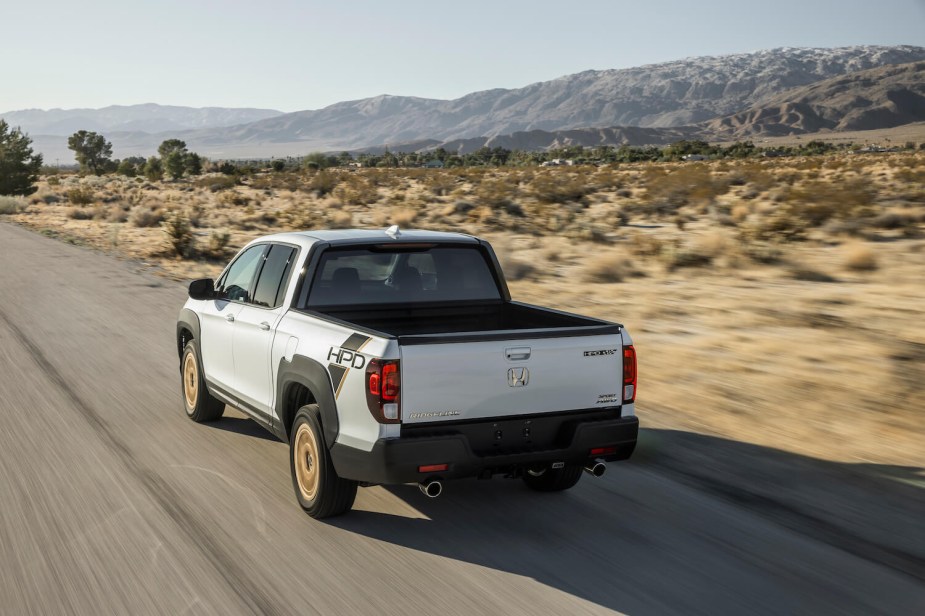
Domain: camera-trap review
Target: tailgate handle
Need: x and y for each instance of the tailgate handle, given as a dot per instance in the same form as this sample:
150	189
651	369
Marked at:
517	353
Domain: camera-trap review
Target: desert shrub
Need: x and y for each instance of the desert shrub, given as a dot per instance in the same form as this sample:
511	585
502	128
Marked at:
738	213
607	268
341	219
218	243
117	214
233	197
606	179
144	217
180	238
516	269
440	184
860	258
495	193
48	199
83	213
817	201
852	228
11	205
403	217
808	274
596	233
357	193
911	176
323	182
458	208
553	187
644	245
669	191
81	195
675	255
216	183
762	252
892	220
54	180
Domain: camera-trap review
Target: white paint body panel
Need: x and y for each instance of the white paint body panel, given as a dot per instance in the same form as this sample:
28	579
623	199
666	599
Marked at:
470	380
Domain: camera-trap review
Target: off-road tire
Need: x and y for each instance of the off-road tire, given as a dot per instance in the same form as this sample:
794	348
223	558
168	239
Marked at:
554	479
199	404
318	488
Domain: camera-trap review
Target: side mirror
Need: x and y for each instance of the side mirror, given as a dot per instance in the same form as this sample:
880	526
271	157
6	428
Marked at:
202	289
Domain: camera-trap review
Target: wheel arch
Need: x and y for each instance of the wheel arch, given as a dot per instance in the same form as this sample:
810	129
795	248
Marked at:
187	329
305	381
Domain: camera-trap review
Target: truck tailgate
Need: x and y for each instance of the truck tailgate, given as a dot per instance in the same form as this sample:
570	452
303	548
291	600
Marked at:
506	378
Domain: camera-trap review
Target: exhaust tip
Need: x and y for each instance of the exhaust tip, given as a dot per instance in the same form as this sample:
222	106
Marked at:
597	469
431	489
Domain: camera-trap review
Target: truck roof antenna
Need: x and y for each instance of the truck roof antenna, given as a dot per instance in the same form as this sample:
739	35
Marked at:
393	232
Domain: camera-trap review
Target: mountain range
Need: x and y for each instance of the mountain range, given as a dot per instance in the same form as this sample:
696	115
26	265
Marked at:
773	92
149	118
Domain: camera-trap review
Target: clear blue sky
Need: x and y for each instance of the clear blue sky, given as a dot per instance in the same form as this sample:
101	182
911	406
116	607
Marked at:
292	55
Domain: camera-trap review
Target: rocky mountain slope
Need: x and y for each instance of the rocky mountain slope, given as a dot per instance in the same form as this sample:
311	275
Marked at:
873	99
661	95
877	98
695	97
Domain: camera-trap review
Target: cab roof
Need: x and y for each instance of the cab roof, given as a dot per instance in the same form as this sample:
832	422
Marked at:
350	236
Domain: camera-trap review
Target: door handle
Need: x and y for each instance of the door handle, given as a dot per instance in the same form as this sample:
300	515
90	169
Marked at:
229	318
517	353
265	326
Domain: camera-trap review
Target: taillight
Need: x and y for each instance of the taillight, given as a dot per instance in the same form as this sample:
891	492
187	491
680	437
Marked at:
629	374
383	390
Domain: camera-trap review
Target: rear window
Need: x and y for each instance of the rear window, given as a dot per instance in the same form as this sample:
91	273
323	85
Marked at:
434	274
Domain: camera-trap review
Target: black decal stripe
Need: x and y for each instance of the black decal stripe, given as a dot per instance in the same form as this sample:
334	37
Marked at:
337	376
354	342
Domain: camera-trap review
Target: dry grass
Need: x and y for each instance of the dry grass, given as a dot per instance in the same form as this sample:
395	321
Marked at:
11	205
754	318
860	258
608	267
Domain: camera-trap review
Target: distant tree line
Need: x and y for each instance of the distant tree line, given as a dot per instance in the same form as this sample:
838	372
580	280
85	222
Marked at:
500	157
20	166
94	155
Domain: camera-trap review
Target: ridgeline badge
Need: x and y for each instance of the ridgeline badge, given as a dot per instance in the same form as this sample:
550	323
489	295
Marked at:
600	353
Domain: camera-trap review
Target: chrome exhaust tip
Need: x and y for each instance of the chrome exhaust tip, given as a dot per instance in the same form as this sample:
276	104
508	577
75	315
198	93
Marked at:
432	488
598	468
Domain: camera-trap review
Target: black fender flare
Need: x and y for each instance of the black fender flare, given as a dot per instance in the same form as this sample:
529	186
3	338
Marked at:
314	377
188	320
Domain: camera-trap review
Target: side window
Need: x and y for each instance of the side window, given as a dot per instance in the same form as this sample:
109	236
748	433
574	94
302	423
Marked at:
275	273
238	282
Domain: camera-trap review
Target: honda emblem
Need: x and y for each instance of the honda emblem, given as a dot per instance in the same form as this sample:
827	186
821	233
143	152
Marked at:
518	377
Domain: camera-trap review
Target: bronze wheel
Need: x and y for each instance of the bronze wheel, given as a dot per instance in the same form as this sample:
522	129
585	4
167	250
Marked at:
321	492
305	454
199	404
190	382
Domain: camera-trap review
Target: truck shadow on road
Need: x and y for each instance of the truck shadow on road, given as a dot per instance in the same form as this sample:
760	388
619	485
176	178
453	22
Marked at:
243	426
691	518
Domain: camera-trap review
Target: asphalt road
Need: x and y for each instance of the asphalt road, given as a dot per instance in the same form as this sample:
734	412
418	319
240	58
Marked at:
113	502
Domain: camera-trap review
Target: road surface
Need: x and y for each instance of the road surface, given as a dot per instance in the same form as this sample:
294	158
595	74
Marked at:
113	502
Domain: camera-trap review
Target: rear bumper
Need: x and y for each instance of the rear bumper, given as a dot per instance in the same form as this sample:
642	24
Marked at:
396	460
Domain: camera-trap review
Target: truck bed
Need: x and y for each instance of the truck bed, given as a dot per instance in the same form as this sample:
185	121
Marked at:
483	321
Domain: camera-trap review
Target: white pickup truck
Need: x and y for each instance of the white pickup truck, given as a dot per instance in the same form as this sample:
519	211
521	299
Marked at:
388	357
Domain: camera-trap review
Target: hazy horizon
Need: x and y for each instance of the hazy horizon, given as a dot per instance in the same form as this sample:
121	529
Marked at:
292	56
